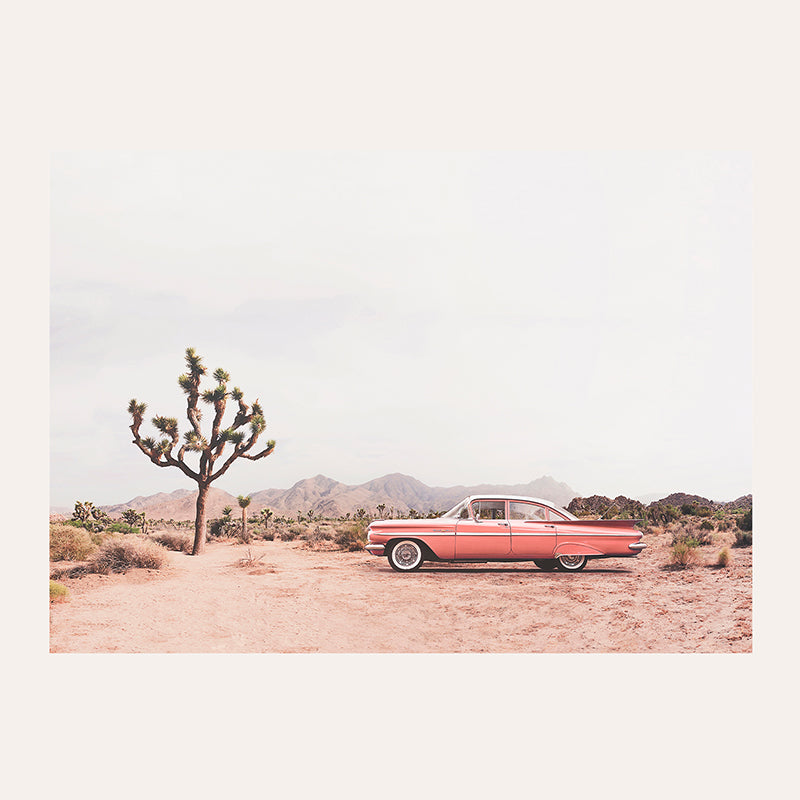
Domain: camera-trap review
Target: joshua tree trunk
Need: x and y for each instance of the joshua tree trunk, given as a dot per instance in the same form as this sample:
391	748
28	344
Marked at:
200	520
244	524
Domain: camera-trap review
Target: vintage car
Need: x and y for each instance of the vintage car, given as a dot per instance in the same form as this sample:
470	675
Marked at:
503	528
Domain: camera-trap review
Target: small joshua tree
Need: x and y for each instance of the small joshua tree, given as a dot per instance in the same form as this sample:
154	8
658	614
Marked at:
243	503
83	511
210	449
381	508
266	513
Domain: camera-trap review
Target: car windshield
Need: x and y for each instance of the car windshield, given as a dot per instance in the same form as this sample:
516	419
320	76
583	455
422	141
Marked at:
455	511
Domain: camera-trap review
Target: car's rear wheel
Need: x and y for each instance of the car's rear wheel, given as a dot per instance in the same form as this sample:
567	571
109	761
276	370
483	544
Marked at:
571	563
405	556
547	564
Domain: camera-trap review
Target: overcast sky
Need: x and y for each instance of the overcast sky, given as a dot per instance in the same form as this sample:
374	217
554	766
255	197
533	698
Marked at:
460	317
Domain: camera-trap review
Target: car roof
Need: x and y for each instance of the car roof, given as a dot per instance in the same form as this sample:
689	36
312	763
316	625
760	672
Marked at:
524	498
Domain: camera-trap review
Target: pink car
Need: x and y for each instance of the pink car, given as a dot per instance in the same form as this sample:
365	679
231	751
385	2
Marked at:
503	528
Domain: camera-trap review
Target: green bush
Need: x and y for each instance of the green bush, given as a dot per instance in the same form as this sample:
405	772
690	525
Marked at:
745	522
70	543
223	527
58	592
743	539
707	525
122	527
688	509
692	535
121	554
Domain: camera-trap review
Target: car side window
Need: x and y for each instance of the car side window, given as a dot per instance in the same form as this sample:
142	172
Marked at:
525	511
489	509
554	516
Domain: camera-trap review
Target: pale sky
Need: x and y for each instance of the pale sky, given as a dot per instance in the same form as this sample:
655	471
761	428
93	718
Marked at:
464	317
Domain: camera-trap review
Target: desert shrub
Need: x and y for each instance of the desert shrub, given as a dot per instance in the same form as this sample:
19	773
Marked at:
743	539
692	535
121	554
662	514
58	592
724	557
704	511
683	555
352	537
289	534
223	527
706	525
745	522
268	536
68	543
174	540
317	535
688	509
725	525
122	527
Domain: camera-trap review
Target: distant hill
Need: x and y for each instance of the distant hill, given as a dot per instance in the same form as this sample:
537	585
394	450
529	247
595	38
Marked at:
331	498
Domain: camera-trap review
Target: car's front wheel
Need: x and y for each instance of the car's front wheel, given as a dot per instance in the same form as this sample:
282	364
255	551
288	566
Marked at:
405	556
547	564
571	563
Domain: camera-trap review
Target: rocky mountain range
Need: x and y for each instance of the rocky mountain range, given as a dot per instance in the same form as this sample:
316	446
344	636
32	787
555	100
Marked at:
329	498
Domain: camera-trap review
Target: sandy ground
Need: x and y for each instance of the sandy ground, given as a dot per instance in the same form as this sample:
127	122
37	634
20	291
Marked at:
302	601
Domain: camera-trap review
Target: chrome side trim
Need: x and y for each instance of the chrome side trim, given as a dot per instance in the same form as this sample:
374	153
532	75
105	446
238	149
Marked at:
637	546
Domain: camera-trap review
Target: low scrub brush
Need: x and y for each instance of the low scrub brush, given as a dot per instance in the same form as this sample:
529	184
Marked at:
352	537
68	543
724	557
692	535
58	592
175	540
121	554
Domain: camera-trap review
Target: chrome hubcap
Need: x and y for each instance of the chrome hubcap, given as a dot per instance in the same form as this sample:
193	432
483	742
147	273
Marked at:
406	555
571	561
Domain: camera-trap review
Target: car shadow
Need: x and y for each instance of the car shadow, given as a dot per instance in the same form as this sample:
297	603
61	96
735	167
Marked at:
518	571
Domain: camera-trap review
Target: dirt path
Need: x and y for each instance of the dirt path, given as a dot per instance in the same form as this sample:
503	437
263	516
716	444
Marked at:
302	601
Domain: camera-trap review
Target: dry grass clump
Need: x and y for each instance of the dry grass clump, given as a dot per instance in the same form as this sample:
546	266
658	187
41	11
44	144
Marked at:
182	542
683	555
121	554
724	557
743	539
68	543
58	592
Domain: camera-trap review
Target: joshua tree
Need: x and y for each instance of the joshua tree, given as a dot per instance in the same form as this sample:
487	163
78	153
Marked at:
226	512
381	508
209	450
266	513
243	503
82	511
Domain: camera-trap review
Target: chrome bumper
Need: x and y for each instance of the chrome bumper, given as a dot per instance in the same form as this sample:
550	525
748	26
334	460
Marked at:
637	546
375	549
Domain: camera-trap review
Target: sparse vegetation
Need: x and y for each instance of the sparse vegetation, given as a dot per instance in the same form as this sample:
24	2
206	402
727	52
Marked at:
122	527
724	557
58	592
745	522
691	533
120	554
70	543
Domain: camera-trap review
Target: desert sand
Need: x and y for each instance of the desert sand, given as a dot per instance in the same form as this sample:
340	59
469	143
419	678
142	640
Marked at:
295	600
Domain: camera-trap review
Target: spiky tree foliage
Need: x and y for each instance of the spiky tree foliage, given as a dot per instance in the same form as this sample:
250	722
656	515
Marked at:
243	503
266	513
242	435
83	511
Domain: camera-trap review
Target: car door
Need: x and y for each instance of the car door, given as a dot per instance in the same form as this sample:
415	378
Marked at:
533	533
485	532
